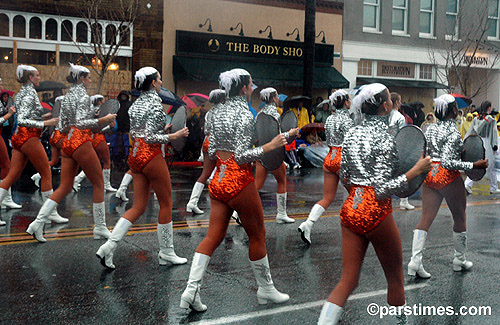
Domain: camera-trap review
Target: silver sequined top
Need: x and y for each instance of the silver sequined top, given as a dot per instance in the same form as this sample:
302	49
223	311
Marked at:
148	119
29	109
233	131
76	110
444	144
336	126
209	118
369	158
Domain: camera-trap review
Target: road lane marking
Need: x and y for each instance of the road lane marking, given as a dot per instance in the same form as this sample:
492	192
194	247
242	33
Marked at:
291	308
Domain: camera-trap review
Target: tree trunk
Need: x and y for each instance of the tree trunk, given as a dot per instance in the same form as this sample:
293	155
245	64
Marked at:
309	41
101	79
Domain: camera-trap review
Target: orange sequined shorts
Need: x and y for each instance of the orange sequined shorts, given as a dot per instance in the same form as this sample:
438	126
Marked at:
142	154
56	137
229	179
362	211
332	160
97	138
22	135
205	144
440	177
75	139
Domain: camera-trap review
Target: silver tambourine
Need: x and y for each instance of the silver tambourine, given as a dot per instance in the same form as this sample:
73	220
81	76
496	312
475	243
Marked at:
411	144
474	151
289	121
266	128
179	123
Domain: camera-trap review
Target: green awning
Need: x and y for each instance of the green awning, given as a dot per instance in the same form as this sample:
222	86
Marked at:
264	74
401	83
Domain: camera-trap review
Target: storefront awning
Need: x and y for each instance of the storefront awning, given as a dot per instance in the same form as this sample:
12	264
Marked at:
401	83
263	73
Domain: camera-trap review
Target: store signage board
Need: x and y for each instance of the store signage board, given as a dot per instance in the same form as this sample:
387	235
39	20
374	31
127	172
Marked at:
220	46
395	70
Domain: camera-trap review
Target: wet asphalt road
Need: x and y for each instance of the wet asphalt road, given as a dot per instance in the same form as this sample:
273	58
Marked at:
62	281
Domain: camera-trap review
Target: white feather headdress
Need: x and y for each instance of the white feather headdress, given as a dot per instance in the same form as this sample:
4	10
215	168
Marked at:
142	74
265	94
227	78
76	70
367	94
216	93
339	93
441	104
21	68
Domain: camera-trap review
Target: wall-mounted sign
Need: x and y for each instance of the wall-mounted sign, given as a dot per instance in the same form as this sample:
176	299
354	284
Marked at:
219	46
395	69
477	60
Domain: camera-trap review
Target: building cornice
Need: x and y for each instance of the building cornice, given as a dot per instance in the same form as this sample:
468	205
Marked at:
323	6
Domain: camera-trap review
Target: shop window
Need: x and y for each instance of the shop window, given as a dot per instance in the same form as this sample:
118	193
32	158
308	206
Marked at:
426	71
76	58
452	20
493	18
19	26
4	25
400	16
427	18
365	68
125	36
371	15
36	57
110	35
36	28
96	35
51	29
5	55
82	32
67	31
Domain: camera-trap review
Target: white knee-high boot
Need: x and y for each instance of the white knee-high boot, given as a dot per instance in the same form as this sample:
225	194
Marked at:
6	200
106	174
78	179
267	291
415	267
330	314
105	252
306	227
100	229
192	205
165	235
36	227
282	217
460	243
191	296
54	216
122	190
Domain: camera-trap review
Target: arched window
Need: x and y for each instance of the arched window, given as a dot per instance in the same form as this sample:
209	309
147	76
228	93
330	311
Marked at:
19	26
110	34
67	31
51	29
125	36
4	25
35	28
82	32
96	35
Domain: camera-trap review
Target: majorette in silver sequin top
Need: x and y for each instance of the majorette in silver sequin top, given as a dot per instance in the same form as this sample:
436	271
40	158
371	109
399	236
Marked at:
270	109
369	158
336	127
76	110
28	107
233	131
444	144
148	119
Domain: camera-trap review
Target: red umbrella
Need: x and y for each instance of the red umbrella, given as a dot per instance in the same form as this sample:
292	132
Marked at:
318	127
11	93
195	100
46	106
